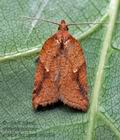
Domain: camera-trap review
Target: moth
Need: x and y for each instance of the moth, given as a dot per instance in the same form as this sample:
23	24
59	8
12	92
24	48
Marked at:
61	72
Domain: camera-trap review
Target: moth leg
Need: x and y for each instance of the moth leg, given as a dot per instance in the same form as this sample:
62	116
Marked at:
37	59
47	94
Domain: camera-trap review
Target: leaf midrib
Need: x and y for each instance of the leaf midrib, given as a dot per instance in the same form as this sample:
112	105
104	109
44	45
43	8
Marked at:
113	10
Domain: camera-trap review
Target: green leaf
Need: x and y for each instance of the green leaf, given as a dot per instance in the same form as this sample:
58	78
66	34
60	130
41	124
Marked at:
20	42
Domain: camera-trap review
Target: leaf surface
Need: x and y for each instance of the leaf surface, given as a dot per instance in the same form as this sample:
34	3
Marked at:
21	40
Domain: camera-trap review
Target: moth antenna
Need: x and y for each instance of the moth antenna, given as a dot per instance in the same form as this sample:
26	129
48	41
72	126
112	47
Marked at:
85	23
41	20
90	23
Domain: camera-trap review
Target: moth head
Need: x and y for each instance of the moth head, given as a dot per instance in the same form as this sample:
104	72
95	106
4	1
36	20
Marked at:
63	26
